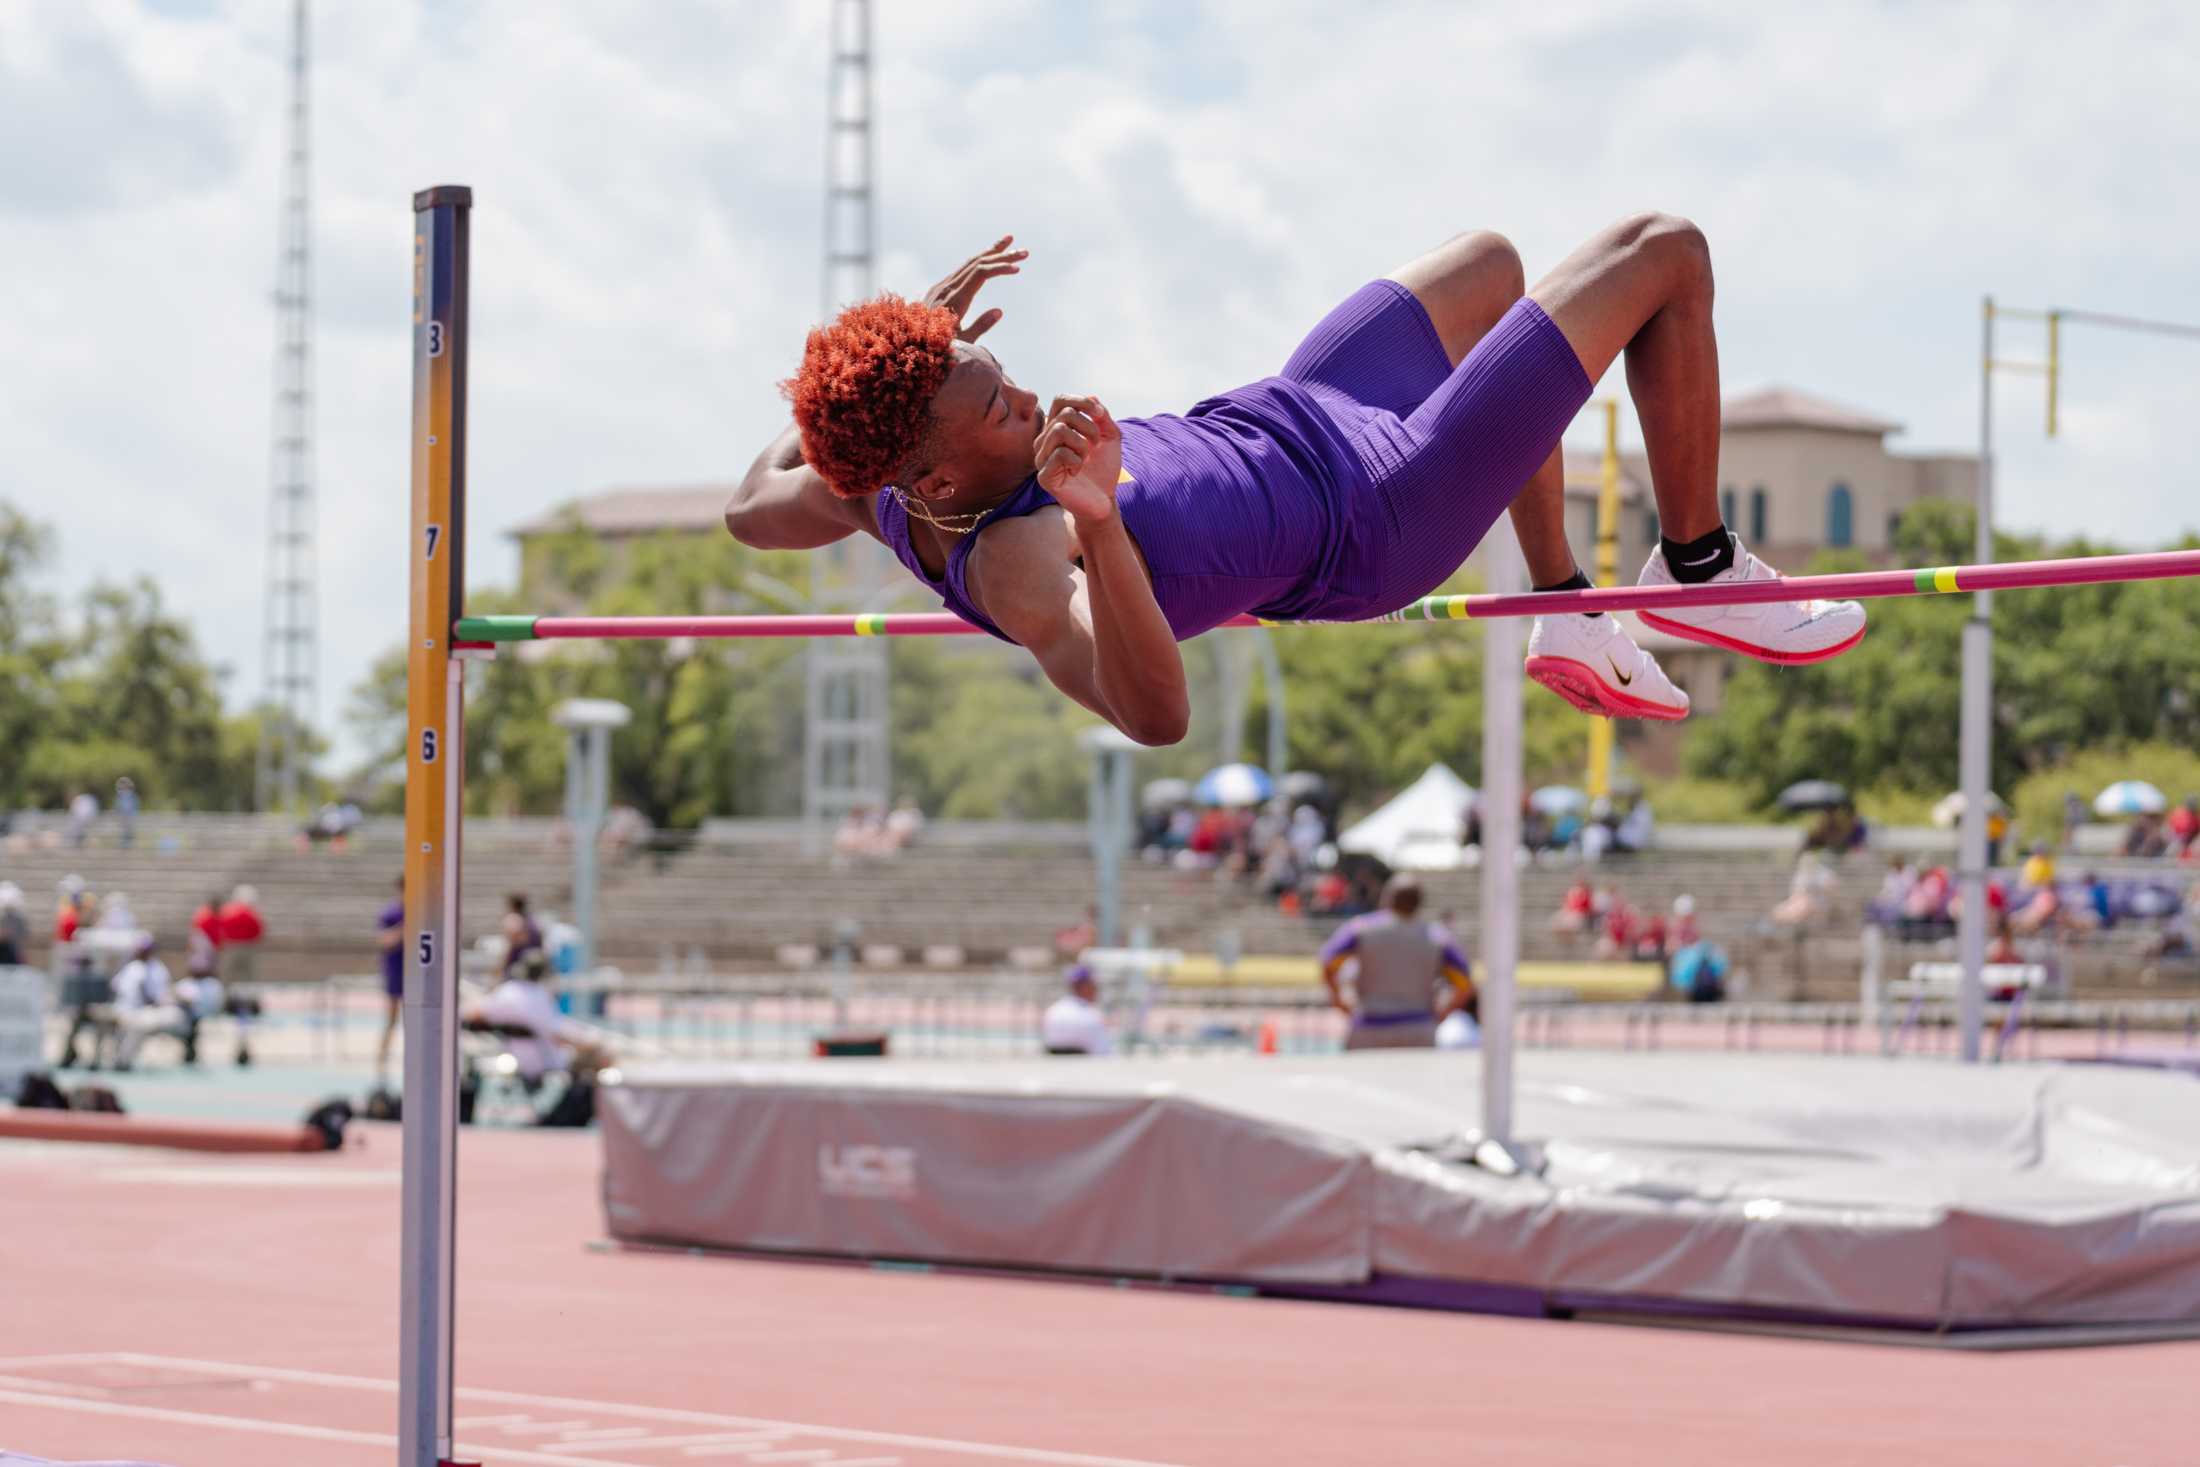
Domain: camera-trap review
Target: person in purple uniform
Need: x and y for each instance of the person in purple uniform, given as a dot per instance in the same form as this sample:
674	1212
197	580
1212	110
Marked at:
1410	975
1343	488
390	936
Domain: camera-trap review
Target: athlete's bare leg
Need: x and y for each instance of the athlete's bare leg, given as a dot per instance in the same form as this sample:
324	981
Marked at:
1643	286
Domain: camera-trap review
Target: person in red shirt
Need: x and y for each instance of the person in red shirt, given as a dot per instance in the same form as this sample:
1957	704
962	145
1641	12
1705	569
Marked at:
1573	913
2184	823
238	929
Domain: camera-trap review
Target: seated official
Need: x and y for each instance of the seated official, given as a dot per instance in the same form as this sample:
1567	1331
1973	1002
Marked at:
1075	1023
1411	976
524	1002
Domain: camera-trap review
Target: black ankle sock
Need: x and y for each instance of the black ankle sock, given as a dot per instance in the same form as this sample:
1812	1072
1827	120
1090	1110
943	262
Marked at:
1693	562
1575	582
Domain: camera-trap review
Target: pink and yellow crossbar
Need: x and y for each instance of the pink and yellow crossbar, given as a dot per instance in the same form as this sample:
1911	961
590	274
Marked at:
1932	580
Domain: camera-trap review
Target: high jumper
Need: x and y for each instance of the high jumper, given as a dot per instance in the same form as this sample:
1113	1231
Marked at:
1344	488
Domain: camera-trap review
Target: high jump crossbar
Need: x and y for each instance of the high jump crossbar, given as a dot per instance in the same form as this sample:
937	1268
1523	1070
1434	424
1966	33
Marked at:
442	636
1931	580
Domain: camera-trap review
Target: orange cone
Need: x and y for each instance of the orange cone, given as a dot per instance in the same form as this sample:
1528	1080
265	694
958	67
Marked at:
1267	1036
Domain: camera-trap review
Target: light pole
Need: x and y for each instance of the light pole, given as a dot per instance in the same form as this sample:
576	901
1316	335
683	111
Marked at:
588	723
1975	759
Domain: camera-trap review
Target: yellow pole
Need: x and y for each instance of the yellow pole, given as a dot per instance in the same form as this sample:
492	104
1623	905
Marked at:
1600	729
2054	368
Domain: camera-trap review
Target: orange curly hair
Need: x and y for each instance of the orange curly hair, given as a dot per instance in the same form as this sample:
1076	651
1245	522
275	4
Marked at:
863	395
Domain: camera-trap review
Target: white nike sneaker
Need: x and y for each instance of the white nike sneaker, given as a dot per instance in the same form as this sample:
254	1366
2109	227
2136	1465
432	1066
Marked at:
1771	631
1592	663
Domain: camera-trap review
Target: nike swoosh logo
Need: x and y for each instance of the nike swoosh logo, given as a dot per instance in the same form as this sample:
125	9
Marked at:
1702	559
1624	679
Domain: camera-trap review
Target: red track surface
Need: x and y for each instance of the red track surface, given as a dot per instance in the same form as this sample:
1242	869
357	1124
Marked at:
288	1266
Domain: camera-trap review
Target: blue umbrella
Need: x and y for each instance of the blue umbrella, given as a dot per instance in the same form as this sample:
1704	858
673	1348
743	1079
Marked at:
1234	784
1558	799
2129	797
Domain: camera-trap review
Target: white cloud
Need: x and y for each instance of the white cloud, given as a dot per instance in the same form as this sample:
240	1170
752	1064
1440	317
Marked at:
1197	183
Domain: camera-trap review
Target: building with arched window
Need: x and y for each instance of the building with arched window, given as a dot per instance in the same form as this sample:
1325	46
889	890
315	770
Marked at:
1840	517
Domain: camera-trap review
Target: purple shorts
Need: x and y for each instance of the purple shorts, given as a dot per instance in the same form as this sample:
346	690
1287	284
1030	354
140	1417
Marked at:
1444	449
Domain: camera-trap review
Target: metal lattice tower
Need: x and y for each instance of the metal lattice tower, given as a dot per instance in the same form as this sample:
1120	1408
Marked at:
290	651
845	750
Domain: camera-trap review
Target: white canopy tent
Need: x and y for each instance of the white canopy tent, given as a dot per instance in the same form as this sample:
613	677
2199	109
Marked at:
1419	829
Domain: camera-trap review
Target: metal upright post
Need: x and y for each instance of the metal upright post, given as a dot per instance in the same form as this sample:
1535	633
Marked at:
1600	729
1976	754
434	774
1501	779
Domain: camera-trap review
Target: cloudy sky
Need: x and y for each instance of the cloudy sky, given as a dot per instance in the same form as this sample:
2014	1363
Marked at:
1197	183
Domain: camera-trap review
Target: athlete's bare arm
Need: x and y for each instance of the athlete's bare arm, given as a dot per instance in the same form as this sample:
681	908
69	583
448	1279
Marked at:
1094	626
784	504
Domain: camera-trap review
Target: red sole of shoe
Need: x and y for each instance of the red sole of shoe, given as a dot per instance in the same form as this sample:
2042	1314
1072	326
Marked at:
1777	659
1579	685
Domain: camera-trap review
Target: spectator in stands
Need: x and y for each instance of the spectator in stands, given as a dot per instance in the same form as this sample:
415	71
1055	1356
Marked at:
1596	832
390	939
2038	869
1075	1023
1622	927
1808	892
144	1004
521	933
1650	941
1332	894
115	914
1279	868
1997	830
73	910
1576	910
241	929
126	809
1698	971
200	997
1683	932
1411	975
523	1001
2039	911
2074	816
1925	910
1071	941
903	824
1308	831
2184	825
15	927
83	810
1637	828
1889	905
206	929
2100	902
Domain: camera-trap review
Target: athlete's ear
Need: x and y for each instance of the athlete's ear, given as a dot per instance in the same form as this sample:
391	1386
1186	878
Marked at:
930	484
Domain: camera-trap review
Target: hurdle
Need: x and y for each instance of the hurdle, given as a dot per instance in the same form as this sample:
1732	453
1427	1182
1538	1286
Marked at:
442	639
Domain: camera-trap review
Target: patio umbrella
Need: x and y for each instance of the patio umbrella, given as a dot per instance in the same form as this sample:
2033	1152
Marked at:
2129	797
1162	792
1234	784
1305	787
1948	814
1813	794
1558	799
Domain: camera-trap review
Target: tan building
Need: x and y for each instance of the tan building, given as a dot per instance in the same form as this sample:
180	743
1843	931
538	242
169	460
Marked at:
614	519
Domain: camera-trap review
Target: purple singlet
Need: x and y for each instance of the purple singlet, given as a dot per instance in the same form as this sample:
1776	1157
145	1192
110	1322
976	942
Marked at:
1349	486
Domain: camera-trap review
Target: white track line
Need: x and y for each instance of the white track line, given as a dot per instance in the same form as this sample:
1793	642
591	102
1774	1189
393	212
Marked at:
726	1424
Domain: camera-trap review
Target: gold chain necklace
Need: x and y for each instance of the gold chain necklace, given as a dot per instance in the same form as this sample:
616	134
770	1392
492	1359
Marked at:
953	524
